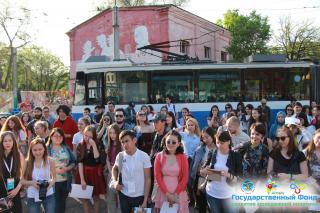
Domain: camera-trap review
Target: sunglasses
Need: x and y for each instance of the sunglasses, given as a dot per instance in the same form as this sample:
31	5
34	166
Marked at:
171	142
119	116
106	119
227	107
281	138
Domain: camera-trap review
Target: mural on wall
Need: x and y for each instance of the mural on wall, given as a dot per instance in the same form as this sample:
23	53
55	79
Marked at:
104	42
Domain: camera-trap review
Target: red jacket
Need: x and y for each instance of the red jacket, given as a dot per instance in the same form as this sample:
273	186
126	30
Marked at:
69	126
183	176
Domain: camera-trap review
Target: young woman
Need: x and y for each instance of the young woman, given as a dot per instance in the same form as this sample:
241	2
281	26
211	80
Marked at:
301	135
228	109
164	110
78	137
199	159
214	120
151	112
313	156
171	122
255	154
39	169
306	109
14	125
90	168
278	123
102	132
11	163
289	110
41	129
191	137
256	117
144	132
286	161
184	112
25	119
246	118
171	173
64	162
225	167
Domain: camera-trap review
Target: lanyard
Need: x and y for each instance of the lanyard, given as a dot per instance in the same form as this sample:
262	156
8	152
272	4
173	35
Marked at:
6	165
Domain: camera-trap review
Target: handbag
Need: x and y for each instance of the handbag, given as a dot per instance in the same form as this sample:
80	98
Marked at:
169	208
202	182
112	181
155	185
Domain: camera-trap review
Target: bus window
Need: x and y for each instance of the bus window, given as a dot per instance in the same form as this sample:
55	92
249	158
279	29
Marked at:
276	84
79	94
94	88
219	86
179	85
123	87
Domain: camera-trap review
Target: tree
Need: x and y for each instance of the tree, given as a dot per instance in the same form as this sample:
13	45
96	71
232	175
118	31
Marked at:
132	3
250	34
13	24
298	40
40	70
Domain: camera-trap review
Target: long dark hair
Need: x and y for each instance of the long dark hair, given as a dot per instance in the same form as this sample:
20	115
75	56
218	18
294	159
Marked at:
291	146
260	119
211	132
179	149
174	122
60	132
214	106
111	142
16	167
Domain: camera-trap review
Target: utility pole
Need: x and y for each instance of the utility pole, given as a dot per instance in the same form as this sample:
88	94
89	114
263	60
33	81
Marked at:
14	70
115	19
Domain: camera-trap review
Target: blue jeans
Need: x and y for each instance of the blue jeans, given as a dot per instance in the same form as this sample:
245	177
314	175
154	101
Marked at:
60	194
48	204
128	203
217	205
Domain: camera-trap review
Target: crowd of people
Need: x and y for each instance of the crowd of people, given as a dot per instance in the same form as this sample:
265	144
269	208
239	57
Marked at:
153	159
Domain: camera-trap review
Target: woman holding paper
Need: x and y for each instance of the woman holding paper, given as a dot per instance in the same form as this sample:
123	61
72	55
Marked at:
39	176
171	172
90	168
11	162
65	161
225	167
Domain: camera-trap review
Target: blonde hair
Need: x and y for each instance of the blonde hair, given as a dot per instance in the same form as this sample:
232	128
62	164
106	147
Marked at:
197	130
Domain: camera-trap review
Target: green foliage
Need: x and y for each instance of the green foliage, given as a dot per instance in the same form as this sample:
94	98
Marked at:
250	34
37	69
298	40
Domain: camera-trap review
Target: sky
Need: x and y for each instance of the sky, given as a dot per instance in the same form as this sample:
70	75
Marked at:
52	19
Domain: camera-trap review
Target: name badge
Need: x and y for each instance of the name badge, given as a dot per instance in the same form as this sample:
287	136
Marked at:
131	187
10	184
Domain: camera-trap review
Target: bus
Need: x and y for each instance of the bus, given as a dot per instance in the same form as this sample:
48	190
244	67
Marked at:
196	86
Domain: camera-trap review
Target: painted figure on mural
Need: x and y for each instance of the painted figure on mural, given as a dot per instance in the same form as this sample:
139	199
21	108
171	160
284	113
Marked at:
141	37
106	45
87	49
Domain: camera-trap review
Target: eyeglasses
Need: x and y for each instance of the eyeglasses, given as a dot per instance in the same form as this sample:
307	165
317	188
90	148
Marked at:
119	116
171	142
282	138
107	120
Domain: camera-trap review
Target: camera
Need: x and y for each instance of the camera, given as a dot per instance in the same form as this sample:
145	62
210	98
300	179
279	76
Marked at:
43	184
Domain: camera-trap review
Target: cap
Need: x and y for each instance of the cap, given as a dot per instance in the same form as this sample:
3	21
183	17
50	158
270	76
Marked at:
159	117
291	121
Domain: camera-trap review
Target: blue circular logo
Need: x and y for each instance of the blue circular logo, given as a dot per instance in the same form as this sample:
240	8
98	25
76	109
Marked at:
247	186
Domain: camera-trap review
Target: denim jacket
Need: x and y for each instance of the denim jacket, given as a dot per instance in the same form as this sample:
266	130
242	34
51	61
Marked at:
196	160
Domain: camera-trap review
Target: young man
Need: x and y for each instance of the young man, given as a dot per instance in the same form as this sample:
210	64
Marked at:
135	181
86	114
130	114
238	137
99	110
47	115
111	111
120	120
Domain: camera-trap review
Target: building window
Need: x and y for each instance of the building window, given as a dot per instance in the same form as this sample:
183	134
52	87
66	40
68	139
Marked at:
224	56
184	47
207	52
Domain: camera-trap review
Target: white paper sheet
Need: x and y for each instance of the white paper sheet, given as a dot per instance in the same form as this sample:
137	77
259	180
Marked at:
77	191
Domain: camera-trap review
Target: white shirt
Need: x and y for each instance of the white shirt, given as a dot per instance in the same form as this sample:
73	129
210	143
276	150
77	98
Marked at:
239	139
42	173
77	138
133	172
220	189
171	108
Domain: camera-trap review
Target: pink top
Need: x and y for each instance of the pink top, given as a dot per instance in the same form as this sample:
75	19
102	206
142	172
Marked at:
183	175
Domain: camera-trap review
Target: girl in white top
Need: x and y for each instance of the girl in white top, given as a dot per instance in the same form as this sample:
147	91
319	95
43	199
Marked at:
78	137
39	167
